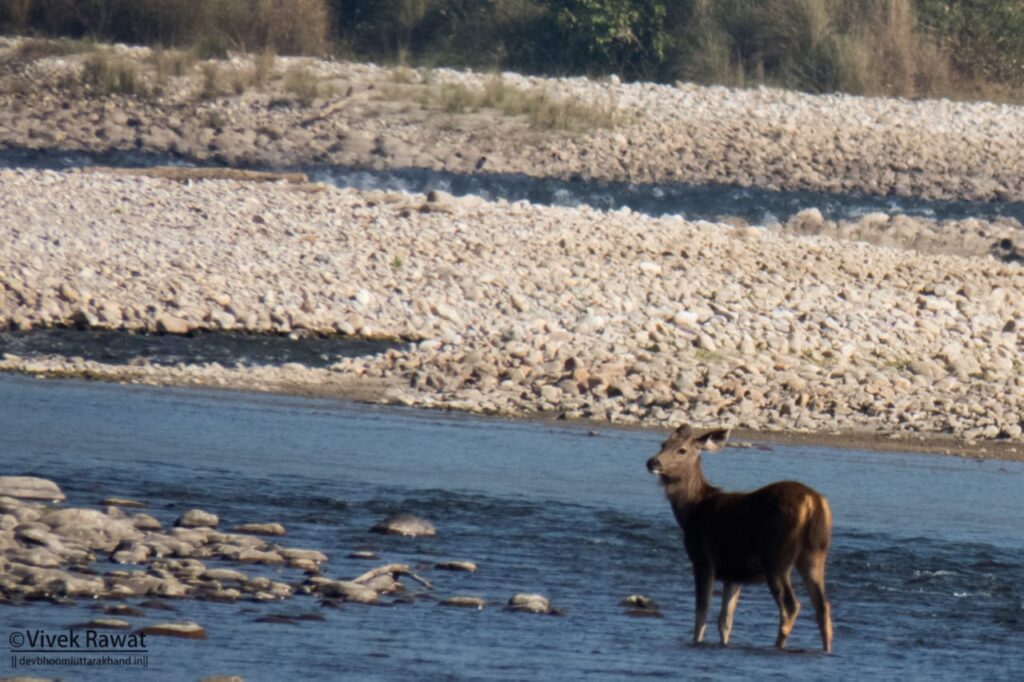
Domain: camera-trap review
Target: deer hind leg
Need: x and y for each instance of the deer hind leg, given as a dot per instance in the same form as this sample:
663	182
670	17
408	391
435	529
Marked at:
812	570
789	607
704	582
730	596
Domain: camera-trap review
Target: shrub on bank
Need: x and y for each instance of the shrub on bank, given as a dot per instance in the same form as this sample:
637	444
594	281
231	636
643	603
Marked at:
214	26
890	47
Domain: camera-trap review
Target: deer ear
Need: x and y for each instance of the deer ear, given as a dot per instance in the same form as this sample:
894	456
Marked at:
713	440
684	432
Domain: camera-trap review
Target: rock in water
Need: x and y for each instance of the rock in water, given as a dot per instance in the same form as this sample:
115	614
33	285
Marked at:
260	529
186	630
30	488
464	602
197	518
529	603
349	591
405	524
91	528
466	566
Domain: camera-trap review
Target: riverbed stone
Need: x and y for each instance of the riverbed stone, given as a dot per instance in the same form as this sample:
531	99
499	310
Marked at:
349	591
30	488
477	603
169	324
529	603
91	528
260	528
459	566
408	525
197	518
184	630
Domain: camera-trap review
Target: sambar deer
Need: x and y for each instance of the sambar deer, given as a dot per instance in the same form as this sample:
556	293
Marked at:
742	538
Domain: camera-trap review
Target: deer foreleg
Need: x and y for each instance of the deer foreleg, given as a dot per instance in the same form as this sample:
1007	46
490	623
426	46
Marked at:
704	582
730	597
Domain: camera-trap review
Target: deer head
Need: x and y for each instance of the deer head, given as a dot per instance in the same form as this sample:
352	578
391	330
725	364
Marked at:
679	457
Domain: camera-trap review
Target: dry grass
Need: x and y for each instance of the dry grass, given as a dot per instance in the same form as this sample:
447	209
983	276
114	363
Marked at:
542	109
872	47
32	49
263	69
172	63
105	73
213	82
304	84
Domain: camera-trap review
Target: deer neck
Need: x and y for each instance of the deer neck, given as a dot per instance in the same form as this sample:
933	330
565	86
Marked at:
686	492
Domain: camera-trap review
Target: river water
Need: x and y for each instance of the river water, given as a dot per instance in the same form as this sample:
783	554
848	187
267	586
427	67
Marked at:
115	347
695	202
926	575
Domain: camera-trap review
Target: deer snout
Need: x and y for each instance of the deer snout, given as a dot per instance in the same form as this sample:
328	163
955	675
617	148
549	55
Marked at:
654	466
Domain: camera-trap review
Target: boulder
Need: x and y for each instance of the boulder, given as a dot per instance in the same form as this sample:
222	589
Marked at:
30	488
197	518
91	528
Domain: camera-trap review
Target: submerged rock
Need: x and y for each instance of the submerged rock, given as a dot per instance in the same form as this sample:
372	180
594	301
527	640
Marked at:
186	630
103	624
641	606
405	524
464	602
260	528
532	603
348	591
466	566
122	502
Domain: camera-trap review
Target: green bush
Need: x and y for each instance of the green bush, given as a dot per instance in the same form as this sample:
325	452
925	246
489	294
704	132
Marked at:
859	46
985	38
897	47
623	36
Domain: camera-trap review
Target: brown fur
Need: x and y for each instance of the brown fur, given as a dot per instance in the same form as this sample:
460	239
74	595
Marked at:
741	538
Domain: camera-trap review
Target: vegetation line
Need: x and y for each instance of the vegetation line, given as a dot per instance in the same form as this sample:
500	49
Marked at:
909	48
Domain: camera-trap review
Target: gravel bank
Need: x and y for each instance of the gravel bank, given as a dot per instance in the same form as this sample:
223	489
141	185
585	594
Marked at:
518	309
364	115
